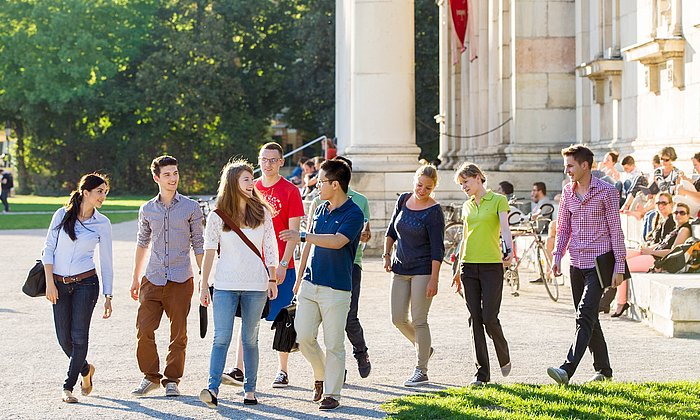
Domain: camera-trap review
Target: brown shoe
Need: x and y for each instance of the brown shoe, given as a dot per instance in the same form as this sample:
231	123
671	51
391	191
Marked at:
68	397
318	390
329	403
86	383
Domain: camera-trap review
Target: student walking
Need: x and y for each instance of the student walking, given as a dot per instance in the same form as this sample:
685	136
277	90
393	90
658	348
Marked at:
485	216
417	226
171	224
72	284
242	228
287	209
588	226
325	292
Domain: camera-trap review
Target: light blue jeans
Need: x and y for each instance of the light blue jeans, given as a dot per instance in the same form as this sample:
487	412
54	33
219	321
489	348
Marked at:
225	304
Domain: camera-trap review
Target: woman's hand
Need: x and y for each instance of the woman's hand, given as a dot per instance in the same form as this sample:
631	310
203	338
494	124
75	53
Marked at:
51	292
387	262
432	288
108	308
204	296
507	259
272	289
456	282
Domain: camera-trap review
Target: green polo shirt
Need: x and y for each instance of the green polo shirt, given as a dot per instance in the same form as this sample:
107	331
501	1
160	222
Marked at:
363	204
482	228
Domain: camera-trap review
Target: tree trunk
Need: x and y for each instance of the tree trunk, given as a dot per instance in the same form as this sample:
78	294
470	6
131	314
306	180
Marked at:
24	183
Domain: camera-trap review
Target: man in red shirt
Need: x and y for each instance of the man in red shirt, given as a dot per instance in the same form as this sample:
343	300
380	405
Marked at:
589	226
285	200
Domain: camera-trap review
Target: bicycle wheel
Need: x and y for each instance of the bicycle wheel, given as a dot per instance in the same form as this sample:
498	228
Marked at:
544	267
453	235
513	279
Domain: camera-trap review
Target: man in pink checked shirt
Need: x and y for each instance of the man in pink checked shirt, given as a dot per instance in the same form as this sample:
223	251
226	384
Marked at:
589	226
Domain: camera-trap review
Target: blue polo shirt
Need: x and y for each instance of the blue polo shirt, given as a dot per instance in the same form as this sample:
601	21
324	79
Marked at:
333	267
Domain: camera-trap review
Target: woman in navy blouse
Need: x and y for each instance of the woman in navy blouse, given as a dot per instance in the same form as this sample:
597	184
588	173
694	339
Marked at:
417	227
72	285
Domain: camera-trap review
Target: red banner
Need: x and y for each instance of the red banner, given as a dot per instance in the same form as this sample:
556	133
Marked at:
460	17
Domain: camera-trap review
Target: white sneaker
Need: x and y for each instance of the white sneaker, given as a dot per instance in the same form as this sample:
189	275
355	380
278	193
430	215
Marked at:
171	390
144	388
419	378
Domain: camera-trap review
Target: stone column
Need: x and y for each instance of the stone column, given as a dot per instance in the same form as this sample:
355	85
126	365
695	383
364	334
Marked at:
382	83
343	68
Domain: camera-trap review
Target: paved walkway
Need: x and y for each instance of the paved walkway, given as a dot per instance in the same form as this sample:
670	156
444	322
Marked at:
539	332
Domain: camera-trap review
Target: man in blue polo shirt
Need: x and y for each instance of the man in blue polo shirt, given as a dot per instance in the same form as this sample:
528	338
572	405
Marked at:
325	292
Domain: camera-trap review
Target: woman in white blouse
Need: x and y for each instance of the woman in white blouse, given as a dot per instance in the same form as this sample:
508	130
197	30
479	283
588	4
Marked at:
241	277
72	285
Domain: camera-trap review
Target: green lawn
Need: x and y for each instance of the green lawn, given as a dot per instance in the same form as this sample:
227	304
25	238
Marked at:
675	400
30	203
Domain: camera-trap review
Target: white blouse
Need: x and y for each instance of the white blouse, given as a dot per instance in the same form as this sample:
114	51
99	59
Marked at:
238	267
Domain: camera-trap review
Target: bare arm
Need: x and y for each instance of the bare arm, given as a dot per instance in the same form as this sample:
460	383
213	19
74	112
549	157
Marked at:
206	263
388	245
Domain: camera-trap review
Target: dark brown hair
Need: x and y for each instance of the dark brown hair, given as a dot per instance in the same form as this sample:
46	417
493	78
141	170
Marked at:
160	162
88	182
230	195
580	153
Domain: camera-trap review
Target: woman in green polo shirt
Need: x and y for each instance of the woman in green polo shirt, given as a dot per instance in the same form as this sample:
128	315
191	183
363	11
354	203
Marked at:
485	216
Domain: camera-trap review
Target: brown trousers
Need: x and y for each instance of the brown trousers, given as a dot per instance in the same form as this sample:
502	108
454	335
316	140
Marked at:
174	299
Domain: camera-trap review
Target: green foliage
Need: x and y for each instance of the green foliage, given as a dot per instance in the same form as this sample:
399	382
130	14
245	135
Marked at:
106	85
523	401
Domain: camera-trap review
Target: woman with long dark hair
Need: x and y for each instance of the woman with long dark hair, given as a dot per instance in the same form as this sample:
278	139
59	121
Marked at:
241	277
72	285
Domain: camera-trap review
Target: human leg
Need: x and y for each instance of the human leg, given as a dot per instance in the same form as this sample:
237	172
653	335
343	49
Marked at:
420	305
252	304
147	321
224	315
400	297
473	296
177	298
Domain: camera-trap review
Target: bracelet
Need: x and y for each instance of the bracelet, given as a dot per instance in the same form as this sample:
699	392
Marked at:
386	255
273	281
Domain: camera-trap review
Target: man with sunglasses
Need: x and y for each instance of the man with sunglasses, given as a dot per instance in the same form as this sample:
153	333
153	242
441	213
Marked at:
588	225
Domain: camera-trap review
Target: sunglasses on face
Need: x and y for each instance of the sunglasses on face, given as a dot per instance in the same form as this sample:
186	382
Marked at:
680	212
661	203
665	159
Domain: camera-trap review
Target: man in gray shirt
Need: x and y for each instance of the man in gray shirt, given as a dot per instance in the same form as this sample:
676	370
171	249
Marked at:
171	224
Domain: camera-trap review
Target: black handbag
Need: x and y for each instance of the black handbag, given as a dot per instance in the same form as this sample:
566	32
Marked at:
35	285
285	339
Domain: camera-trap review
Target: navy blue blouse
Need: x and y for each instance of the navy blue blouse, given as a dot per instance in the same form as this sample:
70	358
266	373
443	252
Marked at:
419	236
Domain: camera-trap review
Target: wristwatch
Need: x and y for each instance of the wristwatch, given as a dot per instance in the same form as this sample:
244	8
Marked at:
108	297
302	236
284	263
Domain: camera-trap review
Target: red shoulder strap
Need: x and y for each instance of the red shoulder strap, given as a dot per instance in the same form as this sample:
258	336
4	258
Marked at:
240	233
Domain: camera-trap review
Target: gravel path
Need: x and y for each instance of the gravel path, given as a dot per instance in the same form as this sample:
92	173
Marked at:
539	332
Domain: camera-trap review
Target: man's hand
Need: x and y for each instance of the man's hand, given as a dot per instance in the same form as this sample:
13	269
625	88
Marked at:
556	269
365	236
108	308
281	274
387	263
134	290
617	279
290	235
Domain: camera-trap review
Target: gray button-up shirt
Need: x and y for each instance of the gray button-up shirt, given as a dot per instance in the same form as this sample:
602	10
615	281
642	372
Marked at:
172	229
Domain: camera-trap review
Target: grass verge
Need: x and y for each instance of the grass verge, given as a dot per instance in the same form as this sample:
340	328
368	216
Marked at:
29	203
675	400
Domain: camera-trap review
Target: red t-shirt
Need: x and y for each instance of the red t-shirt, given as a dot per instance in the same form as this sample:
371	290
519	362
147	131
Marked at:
285	200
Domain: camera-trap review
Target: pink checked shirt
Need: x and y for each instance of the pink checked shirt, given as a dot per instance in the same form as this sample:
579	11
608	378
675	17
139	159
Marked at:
590	227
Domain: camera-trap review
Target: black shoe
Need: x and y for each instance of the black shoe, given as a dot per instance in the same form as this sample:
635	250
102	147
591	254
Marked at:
207	397
539	280
250	401
329	403
619	314
364	366
318	391
235	377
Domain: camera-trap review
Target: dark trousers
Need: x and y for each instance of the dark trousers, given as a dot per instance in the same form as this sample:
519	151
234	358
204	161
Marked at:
586	291
353	329
174	299
3	197
71	316
483	290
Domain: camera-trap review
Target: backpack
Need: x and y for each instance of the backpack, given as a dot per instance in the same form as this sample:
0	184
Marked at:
285	339
684	258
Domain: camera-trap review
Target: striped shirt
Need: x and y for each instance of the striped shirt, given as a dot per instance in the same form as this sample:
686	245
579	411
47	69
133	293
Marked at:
590	226
172	229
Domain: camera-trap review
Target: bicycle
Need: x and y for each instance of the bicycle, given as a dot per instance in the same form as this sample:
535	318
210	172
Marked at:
542	260
205	205
453	231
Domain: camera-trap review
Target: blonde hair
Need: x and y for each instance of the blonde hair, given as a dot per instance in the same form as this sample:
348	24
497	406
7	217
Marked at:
230	195
427	170
469	170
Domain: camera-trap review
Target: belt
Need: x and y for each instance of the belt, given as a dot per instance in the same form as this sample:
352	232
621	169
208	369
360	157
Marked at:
76	278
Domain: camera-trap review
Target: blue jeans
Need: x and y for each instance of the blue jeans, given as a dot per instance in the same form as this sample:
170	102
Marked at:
71	315
225	304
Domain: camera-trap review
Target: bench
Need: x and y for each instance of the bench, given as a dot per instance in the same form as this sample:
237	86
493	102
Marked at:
669	303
